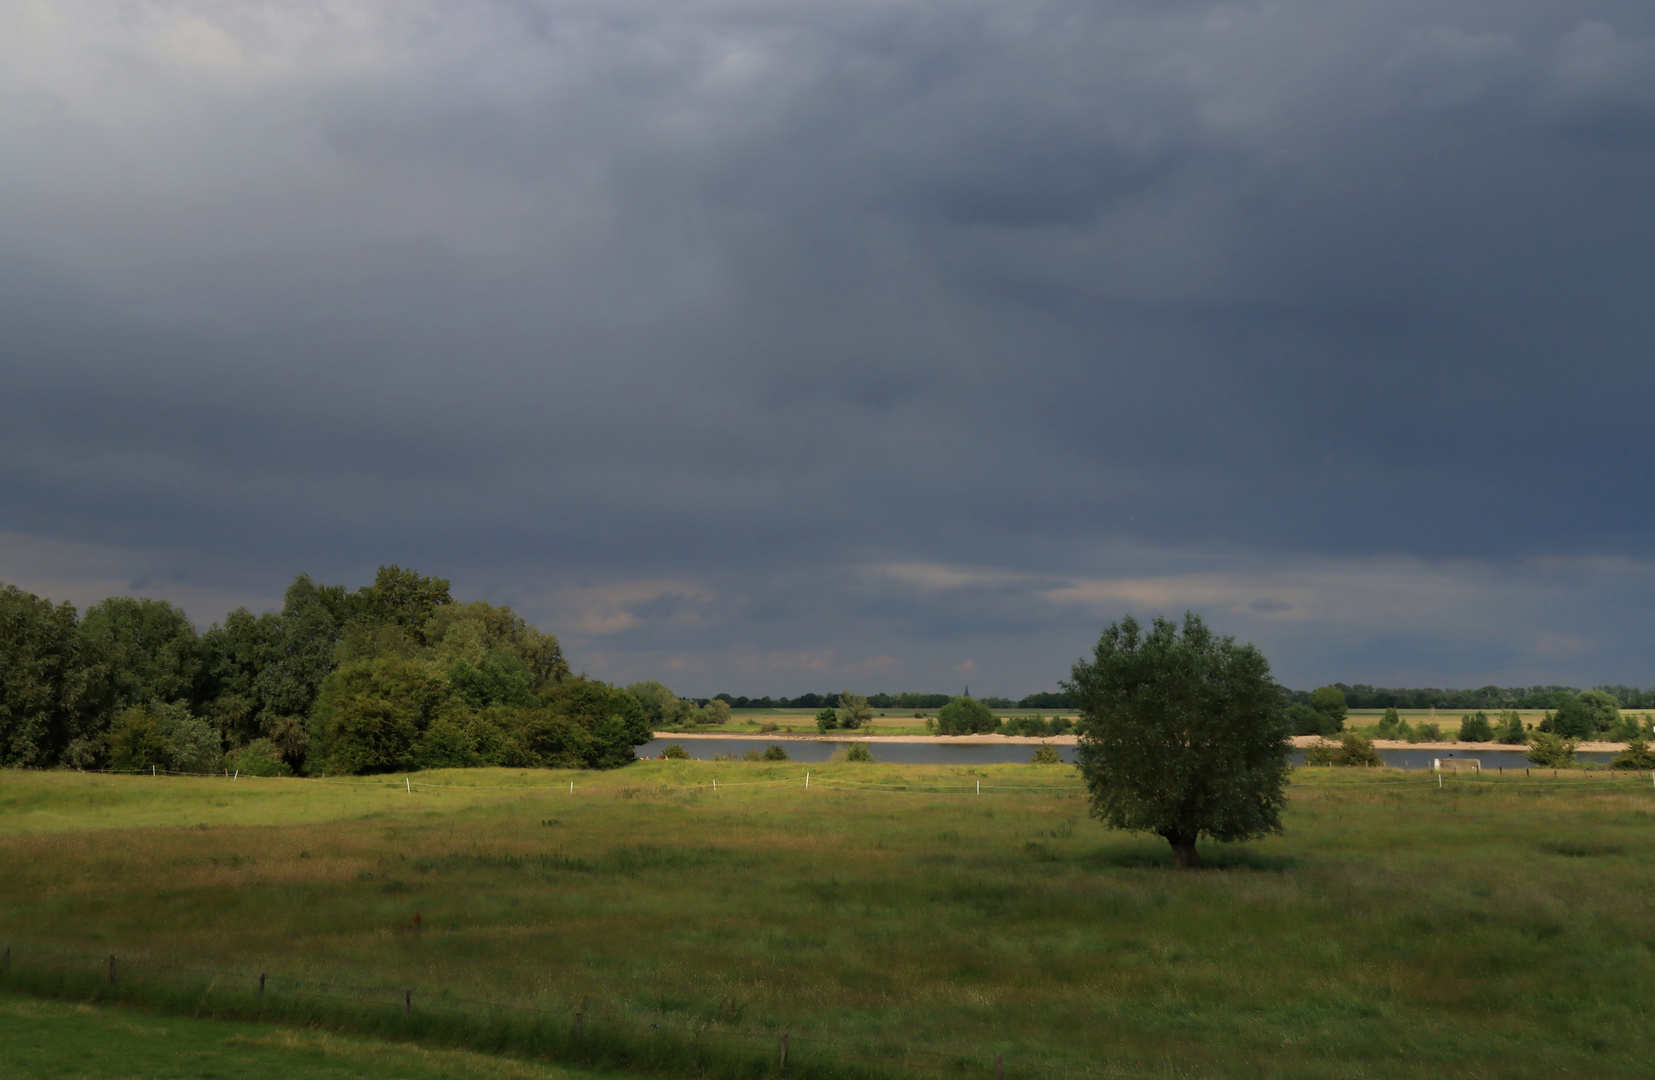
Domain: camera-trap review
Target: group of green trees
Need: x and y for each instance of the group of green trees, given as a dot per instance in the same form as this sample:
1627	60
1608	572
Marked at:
393	675
852	711
1321	712
1506	727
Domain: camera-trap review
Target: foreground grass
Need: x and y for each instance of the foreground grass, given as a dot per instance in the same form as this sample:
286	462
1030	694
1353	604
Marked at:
49	1040
1395	930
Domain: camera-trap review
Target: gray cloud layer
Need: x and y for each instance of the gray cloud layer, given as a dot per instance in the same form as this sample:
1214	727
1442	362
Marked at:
771	346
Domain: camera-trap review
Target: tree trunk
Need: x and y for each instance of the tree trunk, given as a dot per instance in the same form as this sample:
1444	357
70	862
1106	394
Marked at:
1183	853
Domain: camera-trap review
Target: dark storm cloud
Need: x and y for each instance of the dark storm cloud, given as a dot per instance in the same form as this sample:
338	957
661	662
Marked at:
774	344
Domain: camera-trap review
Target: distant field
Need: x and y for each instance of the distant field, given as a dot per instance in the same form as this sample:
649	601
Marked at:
1397	929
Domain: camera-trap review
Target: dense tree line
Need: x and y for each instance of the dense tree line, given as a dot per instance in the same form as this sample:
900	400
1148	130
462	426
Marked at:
393	675
1361	696
904	700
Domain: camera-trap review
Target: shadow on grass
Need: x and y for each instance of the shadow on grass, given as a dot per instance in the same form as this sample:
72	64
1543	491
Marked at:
1147	856
1581	849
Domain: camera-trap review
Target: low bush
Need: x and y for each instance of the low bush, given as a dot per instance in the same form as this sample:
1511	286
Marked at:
1511	729
1046	754
827	719
851	752
259	758
1551	750
1355	751
673	750
1308	721
1320	752
1637	755
775	753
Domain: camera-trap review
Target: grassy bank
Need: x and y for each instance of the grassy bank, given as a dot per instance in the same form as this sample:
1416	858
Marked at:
1397	929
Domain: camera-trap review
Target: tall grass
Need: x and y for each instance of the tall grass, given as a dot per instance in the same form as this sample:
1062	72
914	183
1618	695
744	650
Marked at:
1395	930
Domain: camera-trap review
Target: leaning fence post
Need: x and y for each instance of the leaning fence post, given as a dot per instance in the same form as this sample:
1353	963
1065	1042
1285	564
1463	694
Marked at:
261	984
784	1050
407	1001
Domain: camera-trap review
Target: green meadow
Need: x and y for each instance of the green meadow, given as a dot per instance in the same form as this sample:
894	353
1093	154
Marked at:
49	1040
887	917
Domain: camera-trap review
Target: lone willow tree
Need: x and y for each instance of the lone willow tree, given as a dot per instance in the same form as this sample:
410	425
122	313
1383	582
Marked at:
1182	734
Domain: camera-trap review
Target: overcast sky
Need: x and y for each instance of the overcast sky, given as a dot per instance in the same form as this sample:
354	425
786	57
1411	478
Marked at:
766	346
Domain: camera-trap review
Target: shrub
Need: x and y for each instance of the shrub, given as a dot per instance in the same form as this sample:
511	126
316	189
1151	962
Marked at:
1320	752
1046	754
673	750
1308	721
1551	750
963	716
136	741
1584	715
1030	726
775	753
1637	755
1474	727
1062	725
653	698
753	755
853	710
1626	729
1330	702
1357	752
716	712
851	752
1424	732
166	737
765	729
259	758
1511	729
1387	726
827	719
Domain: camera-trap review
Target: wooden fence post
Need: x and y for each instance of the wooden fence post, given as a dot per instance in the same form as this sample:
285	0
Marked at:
784	1050
580	1026
111	969
407	1001
999	1067
261	984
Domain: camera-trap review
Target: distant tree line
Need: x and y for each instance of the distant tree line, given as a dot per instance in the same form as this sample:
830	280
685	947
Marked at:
394	675
904	700
1361	696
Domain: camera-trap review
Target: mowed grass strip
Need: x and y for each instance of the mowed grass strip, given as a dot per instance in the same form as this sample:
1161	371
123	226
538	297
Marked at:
1397	929
49	1040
